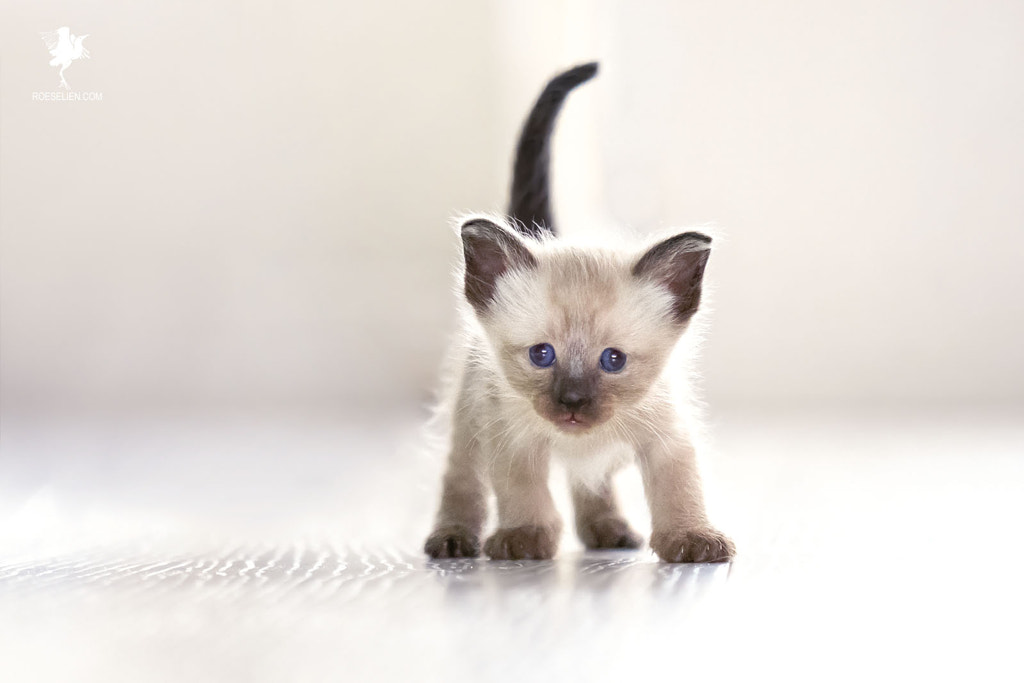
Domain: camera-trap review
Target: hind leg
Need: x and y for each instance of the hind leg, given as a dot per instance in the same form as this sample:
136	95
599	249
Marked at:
599	523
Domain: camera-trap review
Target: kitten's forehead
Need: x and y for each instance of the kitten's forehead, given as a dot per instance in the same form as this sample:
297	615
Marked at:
581	298
582	289
579	281
591	300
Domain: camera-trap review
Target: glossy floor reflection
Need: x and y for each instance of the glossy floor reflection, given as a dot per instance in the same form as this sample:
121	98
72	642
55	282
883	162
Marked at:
878	548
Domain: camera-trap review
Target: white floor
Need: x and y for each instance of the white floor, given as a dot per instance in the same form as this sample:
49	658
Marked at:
870	548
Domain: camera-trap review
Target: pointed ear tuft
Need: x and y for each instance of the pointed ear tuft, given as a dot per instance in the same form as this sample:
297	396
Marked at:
490	252
678	264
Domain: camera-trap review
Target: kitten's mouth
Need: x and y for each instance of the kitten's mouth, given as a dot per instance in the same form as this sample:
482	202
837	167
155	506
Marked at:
573	422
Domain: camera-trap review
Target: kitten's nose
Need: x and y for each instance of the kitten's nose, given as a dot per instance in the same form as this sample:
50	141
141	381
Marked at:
573	400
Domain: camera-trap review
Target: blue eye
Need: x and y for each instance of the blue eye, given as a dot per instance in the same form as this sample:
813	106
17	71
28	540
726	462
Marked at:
612	360
542	355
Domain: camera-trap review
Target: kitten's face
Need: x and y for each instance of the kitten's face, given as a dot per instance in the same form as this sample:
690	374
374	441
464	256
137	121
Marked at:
581	334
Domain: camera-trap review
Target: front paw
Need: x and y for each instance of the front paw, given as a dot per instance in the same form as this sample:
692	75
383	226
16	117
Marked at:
609	532
453	540
522	543
693	545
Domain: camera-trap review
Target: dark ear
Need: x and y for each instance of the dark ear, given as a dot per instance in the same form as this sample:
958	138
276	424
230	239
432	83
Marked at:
490	252
678	264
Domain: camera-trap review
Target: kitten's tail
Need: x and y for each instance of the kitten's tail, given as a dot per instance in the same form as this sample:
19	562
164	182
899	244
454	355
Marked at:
530	204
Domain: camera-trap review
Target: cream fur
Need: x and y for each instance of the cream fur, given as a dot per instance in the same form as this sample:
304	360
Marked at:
581	299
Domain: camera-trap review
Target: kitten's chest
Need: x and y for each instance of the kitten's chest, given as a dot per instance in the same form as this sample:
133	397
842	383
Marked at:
591	459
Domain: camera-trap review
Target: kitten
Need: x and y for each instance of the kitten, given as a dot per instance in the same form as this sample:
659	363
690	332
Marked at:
565	352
